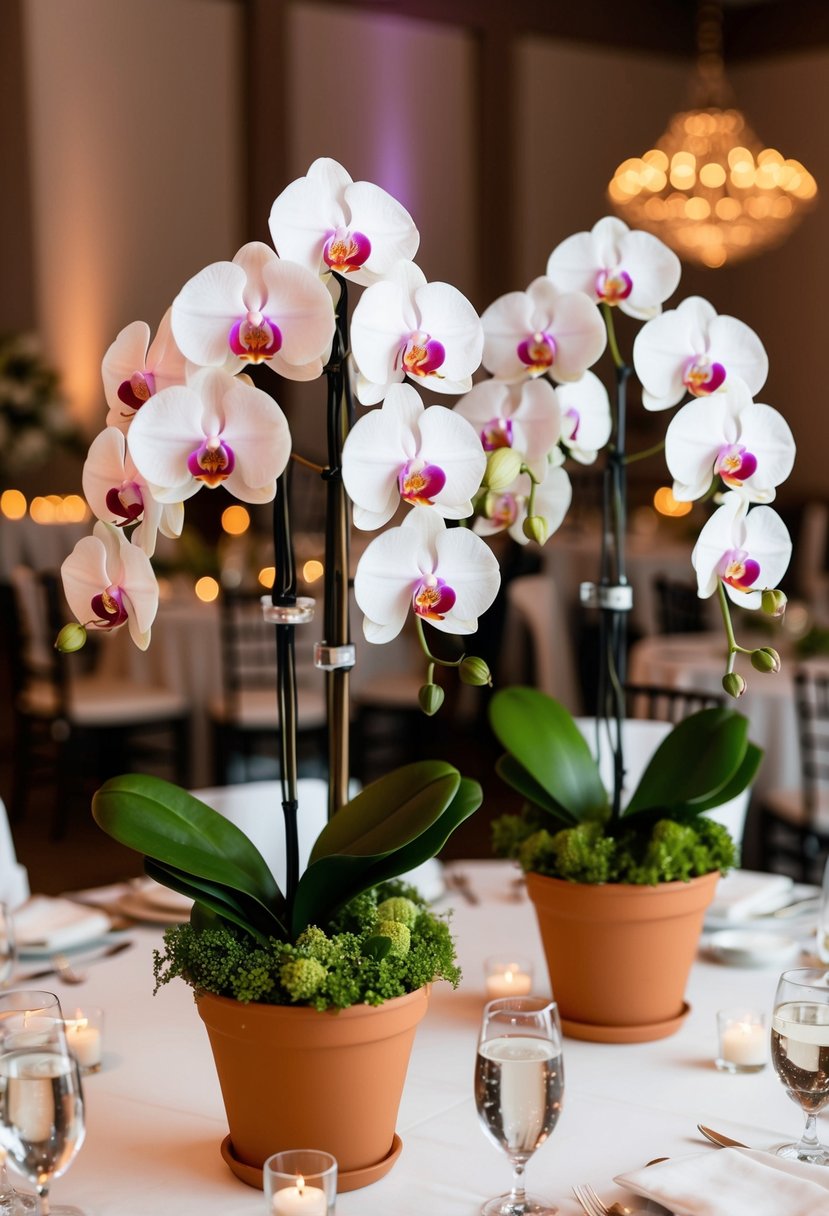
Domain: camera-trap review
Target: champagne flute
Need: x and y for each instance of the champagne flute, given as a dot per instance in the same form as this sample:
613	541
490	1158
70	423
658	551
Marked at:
800	1053
519	1087
41	1102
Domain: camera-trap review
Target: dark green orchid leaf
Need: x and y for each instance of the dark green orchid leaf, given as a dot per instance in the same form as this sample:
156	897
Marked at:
697	760
329	882
222	901
171	826
390	812
516	776
543	738
740	781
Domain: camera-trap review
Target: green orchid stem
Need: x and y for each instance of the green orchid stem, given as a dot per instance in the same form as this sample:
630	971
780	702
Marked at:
646	452
734	647
433	658
610	326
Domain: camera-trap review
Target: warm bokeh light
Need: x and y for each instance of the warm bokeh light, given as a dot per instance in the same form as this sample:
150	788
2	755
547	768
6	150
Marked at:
13	504
711	191
235	520
206	588
42	510
75	510
666	504
266	576
312	570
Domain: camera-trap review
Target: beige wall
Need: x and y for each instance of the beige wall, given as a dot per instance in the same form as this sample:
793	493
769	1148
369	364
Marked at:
134	121
391	99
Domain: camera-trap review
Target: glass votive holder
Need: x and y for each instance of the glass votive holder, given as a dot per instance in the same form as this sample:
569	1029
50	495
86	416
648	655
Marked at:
507	975
743	1040
85	1037
300	1182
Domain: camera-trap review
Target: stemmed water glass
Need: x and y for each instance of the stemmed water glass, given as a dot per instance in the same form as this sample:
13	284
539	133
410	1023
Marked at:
519	1087
800	1053
41	1102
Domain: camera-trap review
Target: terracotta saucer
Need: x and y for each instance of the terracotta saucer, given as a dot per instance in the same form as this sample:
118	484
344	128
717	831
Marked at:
594	1033
348	1180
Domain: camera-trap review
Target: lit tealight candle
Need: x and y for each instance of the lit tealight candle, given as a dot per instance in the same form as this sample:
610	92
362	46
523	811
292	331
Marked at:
84	1039
300	1200
510	980
743	1041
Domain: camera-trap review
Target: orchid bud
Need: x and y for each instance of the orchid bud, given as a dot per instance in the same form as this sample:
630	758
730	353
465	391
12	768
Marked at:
430	698
502	467
536	528
71	638
773	602
474	671
765	659
733	684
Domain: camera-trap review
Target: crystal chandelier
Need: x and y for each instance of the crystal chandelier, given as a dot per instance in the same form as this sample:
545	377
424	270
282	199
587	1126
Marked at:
709	188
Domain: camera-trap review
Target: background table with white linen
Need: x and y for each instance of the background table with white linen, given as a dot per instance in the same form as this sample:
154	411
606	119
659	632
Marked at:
156	1120
697	661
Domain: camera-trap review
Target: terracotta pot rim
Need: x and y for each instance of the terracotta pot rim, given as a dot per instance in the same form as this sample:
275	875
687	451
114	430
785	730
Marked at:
298	1011
641	887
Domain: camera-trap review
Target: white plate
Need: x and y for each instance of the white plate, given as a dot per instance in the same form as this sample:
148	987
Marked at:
752	948
135	905
798	919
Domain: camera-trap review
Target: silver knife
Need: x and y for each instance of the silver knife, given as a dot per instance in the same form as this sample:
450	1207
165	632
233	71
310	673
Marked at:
719	1138
110	952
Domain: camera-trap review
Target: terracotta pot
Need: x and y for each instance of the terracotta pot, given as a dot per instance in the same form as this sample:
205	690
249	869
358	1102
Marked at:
296	1078
619	955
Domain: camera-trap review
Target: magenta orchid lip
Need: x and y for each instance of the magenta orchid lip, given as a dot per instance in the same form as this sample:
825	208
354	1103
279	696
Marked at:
255	337
538	352
701	376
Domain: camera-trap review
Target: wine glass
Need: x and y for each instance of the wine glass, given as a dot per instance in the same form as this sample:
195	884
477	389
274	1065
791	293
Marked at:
8	946
800	1053
41	1101
519	1087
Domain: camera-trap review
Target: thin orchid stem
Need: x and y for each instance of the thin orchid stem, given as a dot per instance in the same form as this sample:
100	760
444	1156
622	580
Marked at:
308	464
610	326
646	452
433	658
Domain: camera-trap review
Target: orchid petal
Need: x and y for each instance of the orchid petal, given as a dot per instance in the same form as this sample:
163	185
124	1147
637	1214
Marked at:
585	417
383	583
532	410
107	560
204	311
760	533
671	351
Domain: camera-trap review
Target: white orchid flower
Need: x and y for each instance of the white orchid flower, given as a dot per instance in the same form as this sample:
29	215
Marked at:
446	576
134	368
542	330
692	349
524	416
109	583
402	451
257	308
748	444
404	326
611	263
747	550
216	430
585	417
327	222
508	510
119	495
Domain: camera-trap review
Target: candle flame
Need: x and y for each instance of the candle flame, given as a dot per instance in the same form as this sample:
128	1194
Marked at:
300	1183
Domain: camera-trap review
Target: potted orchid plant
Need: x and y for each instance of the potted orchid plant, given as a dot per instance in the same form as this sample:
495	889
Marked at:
345	949
600	862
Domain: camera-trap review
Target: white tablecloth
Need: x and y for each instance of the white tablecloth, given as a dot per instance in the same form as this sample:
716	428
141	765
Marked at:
156	1119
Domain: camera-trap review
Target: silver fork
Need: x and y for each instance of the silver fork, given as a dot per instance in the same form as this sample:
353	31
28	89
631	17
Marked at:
592	1205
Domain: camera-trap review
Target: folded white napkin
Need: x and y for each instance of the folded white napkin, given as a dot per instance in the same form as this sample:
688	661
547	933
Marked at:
733	1182
57	924
744	893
